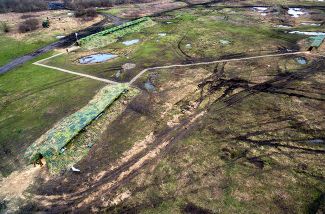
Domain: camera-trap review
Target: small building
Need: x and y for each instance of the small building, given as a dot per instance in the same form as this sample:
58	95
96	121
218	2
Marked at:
55	6
316	42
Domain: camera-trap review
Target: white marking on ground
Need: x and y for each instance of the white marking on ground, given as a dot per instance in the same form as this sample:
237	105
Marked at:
211	62
77	73
72	72
159	67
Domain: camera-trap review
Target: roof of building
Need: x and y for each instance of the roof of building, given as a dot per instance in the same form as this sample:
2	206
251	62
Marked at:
55	5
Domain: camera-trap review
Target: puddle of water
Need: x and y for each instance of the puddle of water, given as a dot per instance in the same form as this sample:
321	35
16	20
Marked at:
301	60
149	86
317	141
284	26
131	42
188	45
311	24
162	34
118	74
296	12
224	42
169	22
261	10
59	37
308	33
96	58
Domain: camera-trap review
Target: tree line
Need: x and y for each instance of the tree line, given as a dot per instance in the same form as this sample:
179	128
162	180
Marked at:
38	5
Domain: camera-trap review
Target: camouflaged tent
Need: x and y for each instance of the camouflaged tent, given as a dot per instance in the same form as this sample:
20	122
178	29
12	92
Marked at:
65	130
317	41
110	35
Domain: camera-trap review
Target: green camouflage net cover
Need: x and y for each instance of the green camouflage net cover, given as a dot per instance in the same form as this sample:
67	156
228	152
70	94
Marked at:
65	130
108	36
317	41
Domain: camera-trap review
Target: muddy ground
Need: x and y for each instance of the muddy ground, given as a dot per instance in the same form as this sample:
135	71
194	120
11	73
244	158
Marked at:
236	140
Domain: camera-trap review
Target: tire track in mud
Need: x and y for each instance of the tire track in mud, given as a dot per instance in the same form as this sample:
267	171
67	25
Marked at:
111	180
275	83
214	62
31	92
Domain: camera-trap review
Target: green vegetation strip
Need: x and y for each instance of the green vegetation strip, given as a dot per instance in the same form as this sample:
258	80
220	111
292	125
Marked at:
110	35
65	130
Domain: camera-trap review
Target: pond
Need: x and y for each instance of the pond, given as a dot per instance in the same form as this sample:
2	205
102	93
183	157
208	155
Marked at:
131	42
96	58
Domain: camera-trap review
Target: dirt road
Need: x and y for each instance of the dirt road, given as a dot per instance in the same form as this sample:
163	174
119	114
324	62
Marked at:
64	42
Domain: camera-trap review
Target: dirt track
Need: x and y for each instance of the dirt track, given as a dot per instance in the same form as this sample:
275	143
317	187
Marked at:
64	42
104	184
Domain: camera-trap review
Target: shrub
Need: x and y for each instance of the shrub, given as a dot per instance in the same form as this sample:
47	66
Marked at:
86	13
4	27
46	24
28	25
27	16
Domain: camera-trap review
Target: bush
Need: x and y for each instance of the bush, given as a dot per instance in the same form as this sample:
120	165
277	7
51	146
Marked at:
28	25
27	16
4	27
46	24
86	13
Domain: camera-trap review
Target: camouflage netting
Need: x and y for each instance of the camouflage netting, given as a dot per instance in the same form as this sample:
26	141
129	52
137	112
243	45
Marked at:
316	41
111	35
65	130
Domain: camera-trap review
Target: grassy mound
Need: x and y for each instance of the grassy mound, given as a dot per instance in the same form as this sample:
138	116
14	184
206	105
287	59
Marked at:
111	35
65	130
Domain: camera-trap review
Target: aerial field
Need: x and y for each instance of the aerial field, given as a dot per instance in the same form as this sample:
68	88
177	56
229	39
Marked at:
222	112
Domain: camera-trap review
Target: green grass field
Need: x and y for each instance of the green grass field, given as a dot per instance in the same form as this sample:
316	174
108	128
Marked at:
11	48
32	100
191	35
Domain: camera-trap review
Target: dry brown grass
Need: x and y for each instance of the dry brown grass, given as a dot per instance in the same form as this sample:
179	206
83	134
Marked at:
61	23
